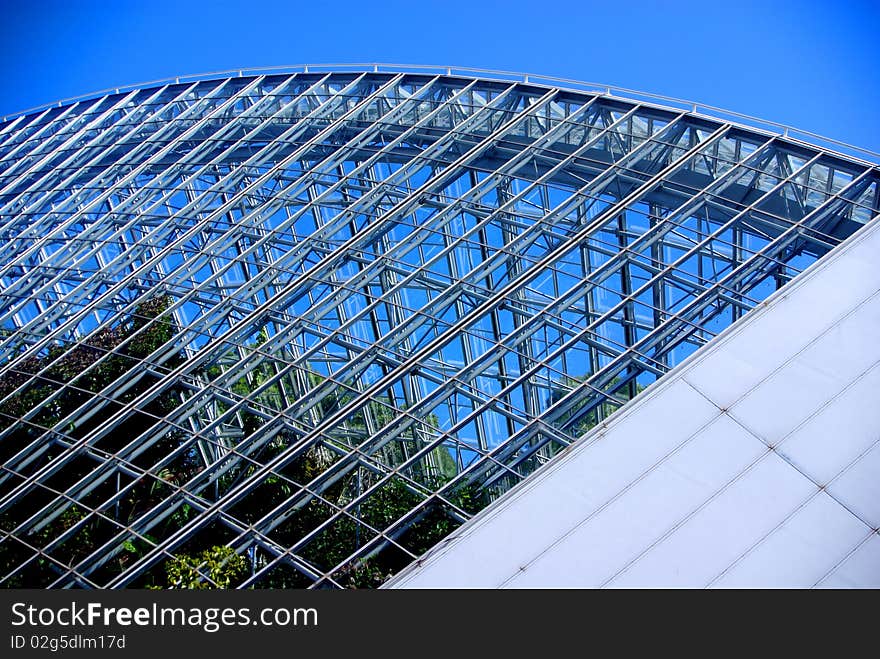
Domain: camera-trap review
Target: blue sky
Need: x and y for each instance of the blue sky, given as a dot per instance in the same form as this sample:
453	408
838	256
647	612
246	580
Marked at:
810	64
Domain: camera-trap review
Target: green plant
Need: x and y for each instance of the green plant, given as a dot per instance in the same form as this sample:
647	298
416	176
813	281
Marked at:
217	567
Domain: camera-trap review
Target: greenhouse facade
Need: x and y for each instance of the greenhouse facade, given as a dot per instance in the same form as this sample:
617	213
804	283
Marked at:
294	328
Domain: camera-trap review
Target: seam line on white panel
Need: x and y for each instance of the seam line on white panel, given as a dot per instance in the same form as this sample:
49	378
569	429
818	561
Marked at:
842	472
769	534
821	334
770	449
820	487
689	516
834	569
785	438
840	394
597	510
641	476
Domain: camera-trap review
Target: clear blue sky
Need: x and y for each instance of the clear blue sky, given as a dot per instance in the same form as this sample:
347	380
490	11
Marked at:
812	64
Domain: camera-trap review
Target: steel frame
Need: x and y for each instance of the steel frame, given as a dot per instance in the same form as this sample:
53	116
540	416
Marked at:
383	299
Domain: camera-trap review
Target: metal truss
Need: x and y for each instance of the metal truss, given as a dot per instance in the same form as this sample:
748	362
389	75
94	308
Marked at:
320	319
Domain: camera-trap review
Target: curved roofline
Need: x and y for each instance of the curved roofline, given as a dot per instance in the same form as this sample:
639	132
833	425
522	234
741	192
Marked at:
612	91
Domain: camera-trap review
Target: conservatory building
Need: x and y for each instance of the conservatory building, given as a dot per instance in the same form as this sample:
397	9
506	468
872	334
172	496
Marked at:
346	326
